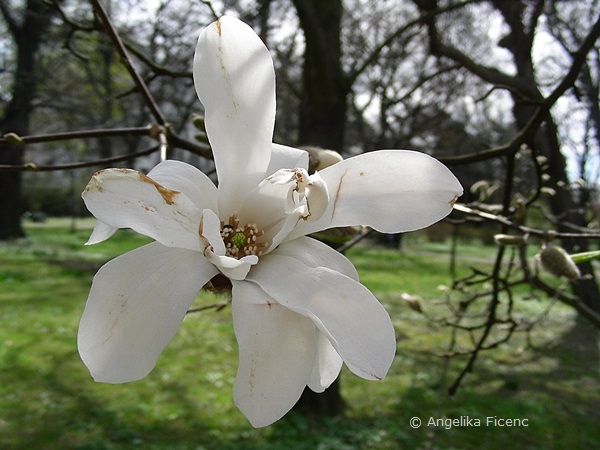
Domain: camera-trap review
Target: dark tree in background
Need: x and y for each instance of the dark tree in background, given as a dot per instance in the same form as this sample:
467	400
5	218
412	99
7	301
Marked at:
522	19
27	27
324	85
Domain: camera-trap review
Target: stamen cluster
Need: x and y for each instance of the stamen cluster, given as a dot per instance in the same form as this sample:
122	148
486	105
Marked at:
241	241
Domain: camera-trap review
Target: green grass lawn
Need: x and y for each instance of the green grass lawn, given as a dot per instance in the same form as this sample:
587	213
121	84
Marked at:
49	401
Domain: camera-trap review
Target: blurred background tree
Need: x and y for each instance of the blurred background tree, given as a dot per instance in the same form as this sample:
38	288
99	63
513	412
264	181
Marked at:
26	28
505	92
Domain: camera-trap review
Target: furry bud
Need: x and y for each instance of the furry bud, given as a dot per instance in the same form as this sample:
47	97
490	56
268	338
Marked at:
558	262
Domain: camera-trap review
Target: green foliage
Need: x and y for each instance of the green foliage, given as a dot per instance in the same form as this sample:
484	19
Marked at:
49	400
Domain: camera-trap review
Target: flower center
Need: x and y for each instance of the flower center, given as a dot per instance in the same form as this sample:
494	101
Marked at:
243	240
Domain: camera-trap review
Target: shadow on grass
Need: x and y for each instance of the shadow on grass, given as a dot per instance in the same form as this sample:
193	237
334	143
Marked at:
556	389
578	353
64	416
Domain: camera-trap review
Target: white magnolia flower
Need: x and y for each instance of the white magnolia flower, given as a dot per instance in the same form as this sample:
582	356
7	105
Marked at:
298	309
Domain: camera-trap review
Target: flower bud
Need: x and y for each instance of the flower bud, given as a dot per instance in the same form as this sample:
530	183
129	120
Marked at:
509	239
198	122
13	138
320	158
413	302
558	262
548	191
154	131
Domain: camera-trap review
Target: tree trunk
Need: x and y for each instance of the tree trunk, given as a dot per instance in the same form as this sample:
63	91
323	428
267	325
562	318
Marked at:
324	84
564	207
27	36
322	123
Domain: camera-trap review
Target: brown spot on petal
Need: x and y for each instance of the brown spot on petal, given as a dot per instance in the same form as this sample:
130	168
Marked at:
94	182
218	27
167	194
453	201
337	195
205	243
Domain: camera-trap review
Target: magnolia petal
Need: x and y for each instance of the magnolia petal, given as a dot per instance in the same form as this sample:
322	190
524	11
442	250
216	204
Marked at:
215	252
287	225
187	179
317	198
235	81
276	352
344	310
390	190
100	233
284	157
210	229
308	191
232	268
294	181
314	253
134	308
327	366
284	199
285	176
265	206
124	198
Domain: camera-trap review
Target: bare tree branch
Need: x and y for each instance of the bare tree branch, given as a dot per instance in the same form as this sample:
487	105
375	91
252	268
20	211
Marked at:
120	46
31	167
79	134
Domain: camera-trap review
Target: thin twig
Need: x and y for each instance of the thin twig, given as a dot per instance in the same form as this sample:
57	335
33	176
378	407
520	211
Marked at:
523	229
488	326
216	306
137	78
79	134
32	167
355	240
199	148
